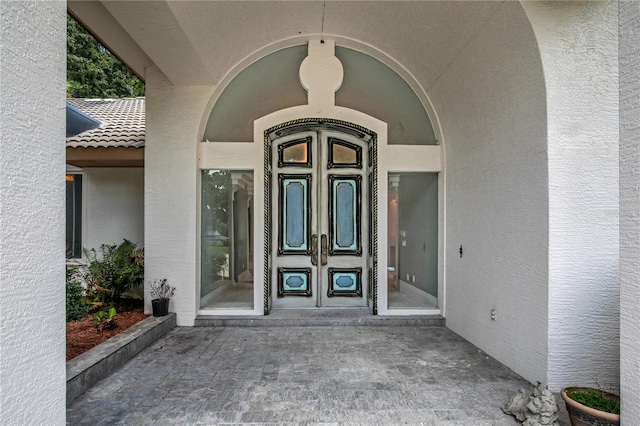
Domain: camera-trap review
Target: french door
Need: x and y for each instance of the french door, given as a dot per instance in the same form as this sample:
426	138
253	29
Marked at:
320	221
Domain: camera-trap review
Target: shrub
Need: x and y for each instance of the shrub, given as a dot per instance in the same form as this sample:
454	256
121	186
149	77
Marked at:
76	305
114	271
215	259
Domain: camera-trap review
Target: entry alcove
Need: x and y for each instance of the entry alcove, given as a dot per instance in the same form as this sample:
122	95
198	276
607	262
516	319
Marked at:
369	88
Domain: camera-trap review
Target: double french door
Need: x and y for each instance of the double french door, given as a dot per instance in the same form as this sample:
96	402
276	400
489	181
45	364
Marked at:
320	222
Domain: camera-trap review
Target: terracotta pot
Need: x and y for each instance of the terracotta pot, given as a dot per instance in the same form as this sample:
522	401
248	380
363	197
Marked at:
160	307
581	415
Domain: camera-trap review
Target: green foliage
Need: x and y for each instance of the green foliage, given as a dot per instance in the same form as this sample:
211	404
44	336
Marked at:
216	187
116	270
596	399
76	306
216	199
97	296
92	71
105	320
215	258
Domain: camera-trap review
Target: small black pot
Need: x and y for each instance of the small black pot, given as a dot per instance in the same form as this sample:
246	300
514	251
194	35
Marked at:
160	307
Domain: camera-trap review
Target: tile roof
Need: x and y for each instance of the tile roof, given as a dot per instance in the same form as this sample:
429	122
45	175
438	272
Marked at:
122	123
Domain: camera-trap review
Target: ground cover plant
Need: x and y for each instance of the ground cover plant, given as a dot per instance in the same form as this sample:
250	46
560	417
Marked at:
112	271
594	398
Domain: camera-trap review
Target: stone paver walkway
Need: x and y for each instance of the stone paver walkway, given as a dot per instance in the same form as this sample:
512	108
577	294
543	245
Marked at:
352	375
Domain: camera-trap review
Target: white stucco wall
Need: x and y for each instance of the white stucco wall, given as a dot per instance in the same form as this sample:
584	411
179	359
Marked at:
114	206
173	117
492	112
32	212
579	49
630	211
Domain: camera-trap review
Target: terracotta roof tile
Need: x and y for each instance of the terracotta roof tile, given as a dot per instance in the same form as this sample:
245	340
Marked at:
123	123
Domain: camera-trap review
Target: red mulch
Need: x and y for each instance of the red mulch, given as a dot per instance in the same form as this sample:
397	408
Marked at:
82	334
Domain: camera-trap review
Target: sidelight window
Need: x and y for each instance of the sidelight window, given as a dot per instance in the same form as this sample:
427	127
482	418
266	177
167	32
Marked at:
413	240
226	279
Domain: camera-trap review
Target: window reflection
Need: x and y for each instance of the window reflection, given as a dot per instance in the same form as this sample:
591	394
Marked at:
296	153
226	245
343	154
412	273
74	216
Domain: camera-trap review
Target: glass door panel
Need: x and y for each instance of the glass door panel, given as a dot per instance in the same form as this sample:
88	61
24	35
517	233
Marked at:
226	278
412	252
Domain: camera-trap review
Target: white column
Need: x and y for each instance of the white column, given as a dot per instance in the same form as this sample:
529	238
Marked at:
630	211
32	212
171	182
578	44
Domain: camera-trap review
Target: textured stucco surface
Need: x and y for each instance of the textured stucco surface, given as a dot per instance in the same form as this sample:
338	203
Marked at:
630	210
32	114
114	200
492	112
579	49
171	189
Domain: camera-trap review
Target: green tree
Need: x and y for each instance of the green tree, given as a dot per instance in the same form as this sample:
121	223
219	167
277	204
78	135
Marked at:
92	71
216	185
216	199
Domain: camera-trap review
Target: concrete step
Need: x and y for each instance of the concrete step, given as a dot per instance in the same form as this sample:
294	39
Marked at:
317	318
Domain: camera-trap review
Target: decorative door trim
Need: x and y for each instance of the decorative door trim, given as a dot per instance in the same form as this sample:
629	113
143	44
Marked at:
306	124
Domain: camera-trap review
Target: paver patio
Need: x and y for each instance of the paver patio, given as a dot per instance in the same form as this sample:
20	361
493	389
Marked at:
330	375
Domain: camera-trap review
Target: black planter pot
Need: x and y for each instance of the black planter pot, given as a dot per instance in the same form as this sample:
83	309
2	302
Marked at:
160	307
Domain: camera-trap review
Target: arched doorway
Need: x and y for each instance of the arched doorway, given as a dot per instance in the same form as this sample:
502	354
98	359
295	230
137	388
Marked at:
325	233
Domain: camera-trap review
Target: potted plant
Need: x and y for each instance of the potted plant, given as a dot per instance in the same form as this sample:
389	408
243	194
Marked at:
589	406
161	293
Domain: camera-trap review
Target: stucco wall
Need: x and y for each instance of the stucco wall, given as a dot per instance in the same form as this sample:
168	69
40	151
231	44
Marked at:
630	210
492	111
114	200
173	117
32	212
579	49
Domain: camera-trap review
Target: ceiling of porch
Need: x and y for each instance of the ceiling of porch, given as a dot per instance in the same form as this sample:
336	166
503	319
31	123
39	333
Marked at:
198	42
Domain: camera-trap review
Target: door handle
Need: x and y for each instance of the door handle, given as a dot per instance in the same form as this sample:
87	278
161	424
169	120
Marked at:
314	249
323	249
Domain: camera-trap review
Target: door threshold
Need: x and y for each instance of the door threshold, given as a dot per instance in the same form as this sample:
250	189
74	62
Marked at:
320	312
318	317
